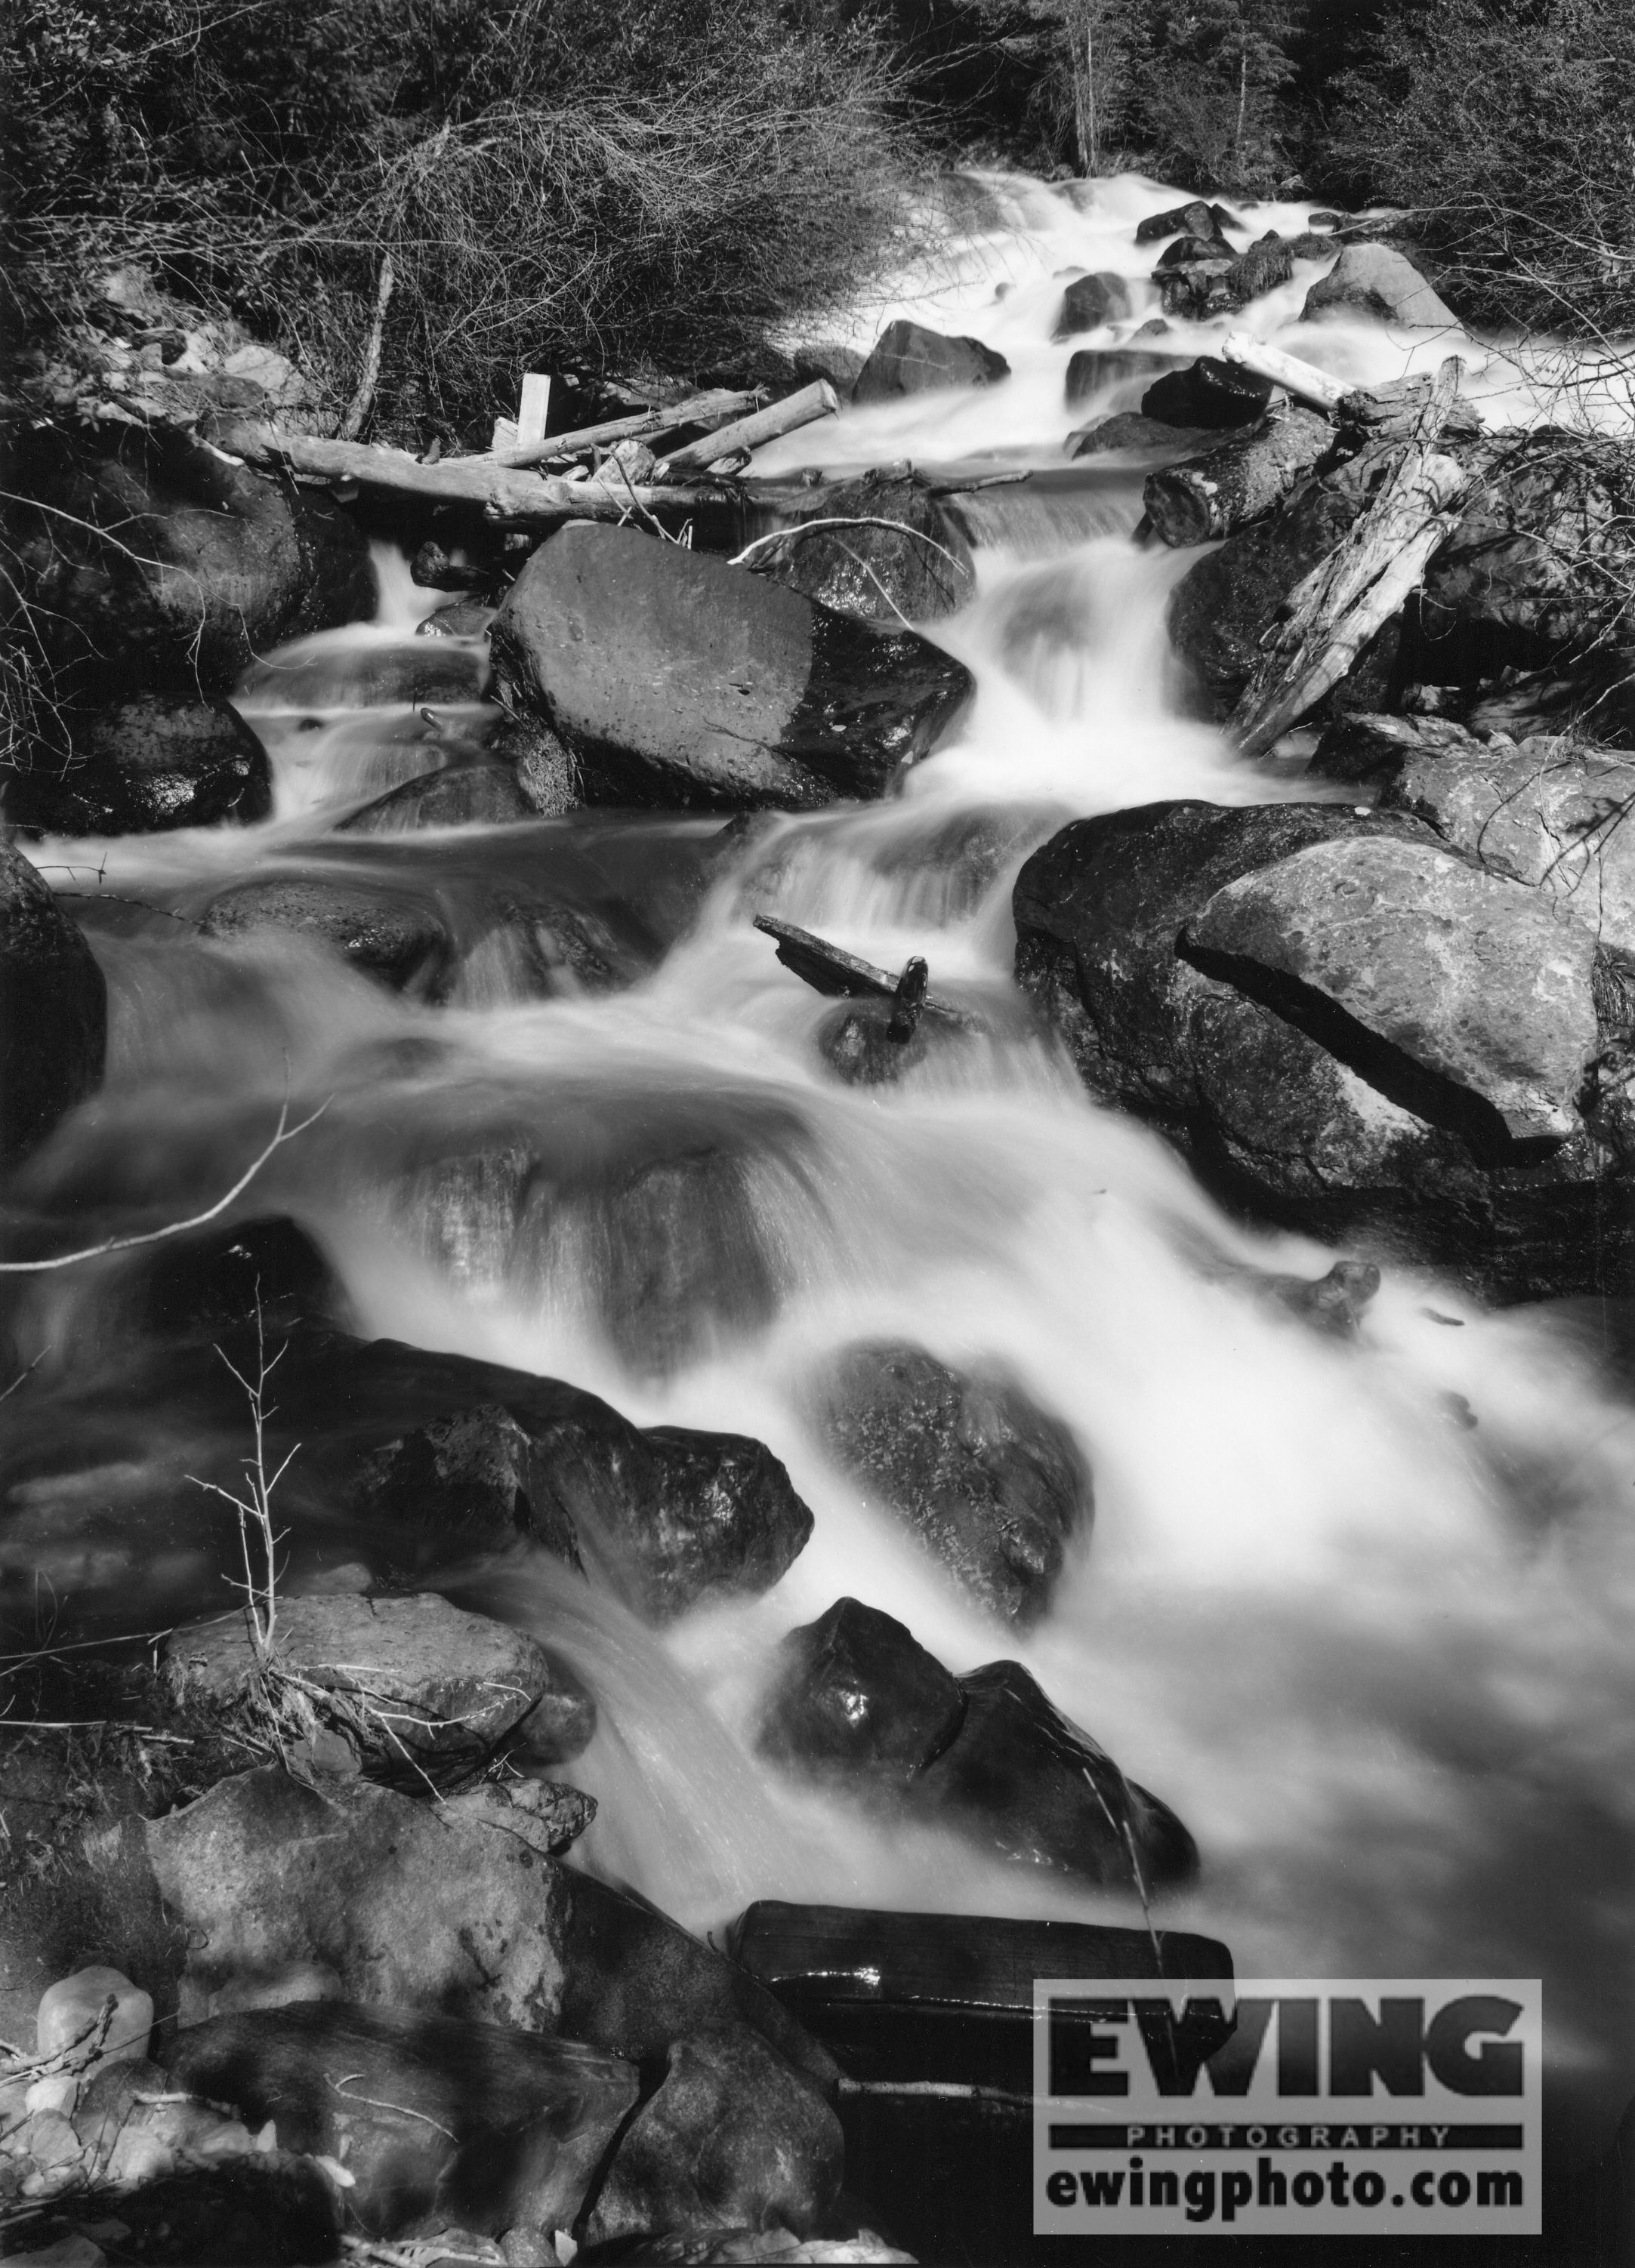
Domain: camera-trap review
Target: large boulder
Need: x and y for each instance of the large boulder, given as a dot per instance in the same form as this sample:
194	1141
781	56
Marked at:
413	1677
858	1704
988	1483
1351	1027
489	2124
916	570
907	359
433	1906
676	679
158	761
1381	281
734	2137
52	1009
164	564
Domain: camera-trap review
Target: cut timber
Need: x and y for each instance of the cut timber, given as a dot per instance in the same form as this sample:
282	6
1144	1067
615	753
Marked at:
1303	380
1249	476
1367	575
830	970
533	410
818	400
710	410
523	499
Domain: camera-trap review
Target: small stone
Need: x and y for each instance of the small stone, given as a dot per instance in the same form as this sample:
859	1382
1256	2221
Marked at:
71	2010
48	2139
59	2093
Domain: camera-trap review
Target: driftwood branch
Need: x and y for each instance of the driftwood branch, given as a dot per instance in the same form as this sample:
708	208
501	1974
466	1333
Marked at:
710	410
818	400
1303	380
830	970
1369	575
353	424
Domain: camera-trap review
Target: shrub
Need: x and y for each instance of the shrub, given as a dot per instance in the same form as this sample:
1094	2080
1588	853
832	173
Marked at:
1509	128
557	186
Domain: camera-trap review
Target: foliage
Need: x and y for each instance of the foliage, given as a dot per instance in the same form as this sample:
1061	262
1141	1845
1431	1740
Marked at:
1508	126
556	187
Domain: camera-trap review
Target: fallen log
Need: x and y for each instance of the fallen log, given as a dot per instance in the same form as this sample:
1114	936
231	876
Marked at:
828	970
1355	591
523	499
1303	380
1249	476
818	400
712	410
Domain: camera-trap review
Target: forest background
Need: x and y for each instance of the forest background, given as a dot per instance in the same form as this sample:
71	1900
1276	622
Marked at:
661	184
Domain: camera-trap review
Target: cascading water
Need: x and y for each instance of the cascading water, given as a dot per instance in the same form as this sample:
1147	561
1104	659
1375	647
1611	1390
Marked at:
1374	1653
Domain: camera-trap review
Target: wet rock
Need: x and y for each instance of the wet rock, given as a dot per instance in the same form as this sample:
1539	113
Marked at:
208	565
1089	301
483	2121
1128	429
857	1042
673	677
666	1516
1543	549
918	570
1374	750
1195	219
75	2012
1455	993
387	933
436	567
1221	609
907	359
464	795
858	1697
157	763
990	1483
1440	1111
1019	1777
52	1009
1093	368
546	773
467	618
1334	1303
401	673
1212	394
200	1286
734	2138
416	1677
829	359
1382	280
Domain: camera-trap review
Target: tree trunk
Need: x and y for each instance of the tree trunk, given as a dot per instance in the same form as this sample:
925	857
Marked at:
1249	476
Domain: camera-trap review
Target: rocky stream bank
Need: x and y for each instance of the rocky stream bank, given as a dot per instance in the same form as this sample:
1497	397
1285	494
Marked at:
305	1957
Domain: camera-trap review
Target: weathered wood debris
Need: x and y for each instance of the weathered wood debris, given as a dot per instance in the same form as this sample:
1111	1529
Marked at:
831	970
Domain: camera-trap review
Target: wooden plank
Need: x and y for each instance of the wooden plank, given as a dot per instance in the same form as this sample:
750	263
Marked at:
533	410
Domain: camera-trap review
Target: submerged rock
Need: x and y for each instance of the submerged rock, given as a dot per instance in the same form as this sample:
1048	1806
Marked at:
1382	280
734	2137
155	762
1351	1028
676	679
990	1483
389	933
52	1009
907	359
1195	219
858	1703
918	570
1128	429
486	2122
1089	301
464	795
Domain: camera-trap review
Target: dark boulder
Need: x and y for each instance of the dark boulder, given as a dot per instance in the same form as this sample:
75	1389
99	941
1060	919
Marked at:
1211	394
1195	219
200	1286
734	2137
481	2122
1089	301
155	762
990	1483
857	1697
674	678
1349	1027
385	932
440	1457
467	618
161	564
1221	609
464	795
1021	1778
907	359
1186	251
916	570
1128	429
52	1009
1381	280
1372	750
1090	369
